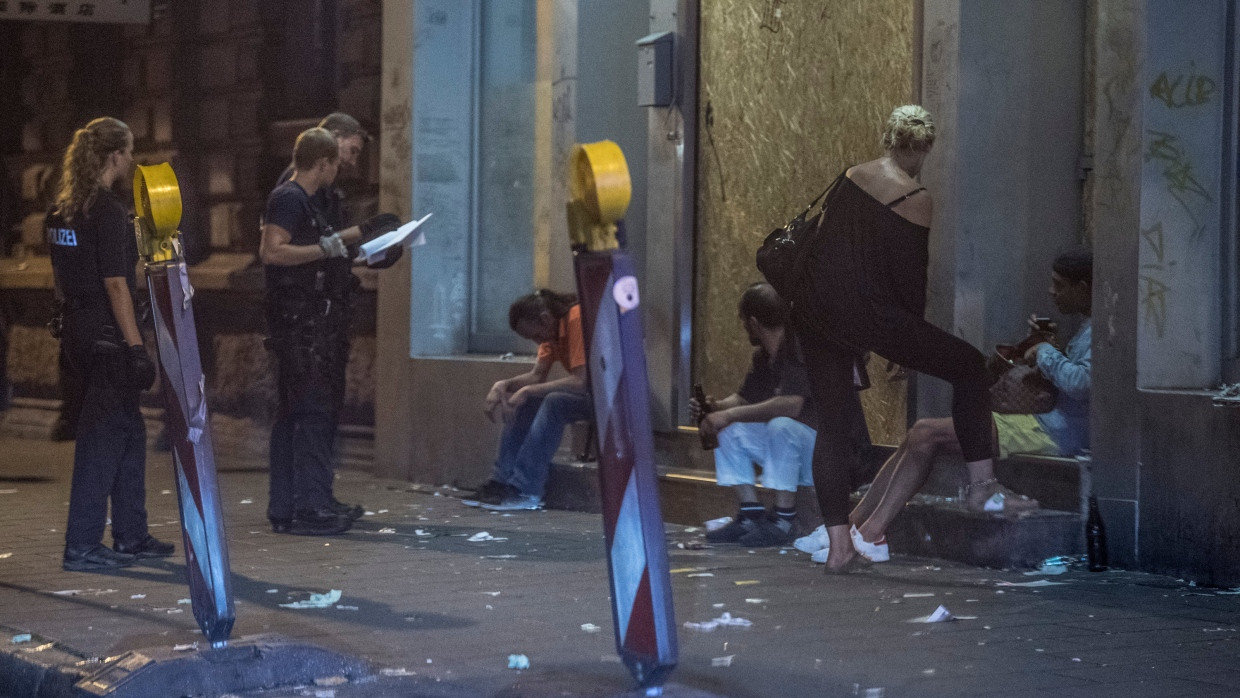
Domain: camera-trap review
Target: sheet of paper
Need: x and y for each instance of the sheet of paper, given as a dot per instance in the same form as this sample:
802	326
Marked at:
373	250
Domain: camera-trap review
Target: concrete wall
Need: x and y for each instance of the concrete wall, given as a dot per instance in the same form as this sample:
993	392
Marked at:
429	422
1181	190
1003	81
1164	460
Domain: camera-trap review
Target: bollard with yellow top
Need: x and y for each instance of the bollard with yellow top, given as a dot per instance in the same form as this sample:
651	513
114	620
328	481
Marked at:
641	589
157	200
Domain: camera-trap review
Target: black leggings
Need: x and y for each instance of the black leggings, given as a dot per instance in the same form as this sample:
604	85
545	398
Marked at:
916	345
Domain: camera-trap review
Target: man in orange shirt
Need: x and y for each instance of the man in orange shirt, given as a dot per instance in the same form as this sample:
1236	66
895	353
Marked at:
536	410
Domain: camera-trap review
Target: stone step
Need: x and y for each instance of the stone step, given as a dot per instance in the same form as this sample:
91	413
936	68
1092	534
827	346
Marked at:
930	525
1057	483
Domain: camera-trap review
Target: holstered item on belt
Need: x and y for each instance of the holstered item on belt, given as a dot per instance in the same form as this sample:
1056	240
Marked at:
109	356
56	324
298	357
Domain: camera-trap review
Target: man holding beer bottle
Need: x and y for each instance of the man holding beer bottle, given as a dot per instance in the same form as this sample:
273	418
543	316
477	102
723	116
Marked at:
769	420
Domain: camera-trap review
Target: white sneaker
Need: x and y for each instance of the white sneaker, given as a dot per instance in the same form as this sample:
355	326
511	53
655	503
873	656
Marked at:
813	542
820	556
874	552
520	502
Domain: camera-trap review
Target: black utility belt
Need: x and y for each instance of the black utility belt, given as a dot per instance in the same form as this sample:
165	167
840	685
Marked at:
81	303
322	307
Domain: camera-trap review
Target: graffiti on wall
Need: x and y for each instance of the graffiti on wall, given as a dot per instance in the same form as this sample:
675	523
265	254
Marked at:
1168	148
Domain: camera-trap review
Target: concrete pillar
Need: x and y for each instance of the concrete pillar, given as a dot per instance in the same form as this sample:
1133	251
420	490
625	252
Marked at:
1115	421
1003	81
671	199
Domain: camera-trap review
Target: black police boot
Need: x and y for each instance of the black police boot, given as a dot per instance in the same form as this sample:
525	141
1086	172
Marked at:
352	511
317	522
93	557
146	548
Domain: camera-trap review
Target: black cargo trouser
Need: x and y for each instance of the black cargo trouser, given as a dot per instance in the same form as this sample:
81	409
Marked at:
109	457
303	436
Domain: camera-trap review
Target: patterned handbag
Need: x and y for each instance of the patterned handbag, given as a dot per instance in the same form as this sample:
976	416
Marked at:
1019	388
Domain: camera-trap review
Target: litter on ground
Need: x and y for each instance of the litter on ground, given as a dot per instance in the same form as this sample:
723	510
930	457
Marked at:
518	661
722	661
940	615
1038	583
18	639
725	620
483	536
316	600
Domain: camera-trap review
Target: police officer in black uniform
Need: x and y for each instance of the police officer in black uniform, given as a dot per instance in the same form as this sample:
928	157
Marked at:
330	202
94	255
309	283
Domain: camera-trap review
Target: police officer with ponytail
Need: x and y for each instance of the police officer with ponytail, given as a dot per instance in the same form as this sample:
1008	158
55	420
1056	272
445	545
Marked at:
309	284
94	255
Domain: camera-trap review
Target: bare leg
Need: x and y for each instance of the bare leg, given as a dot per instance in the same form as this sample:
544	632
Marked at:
785	499
746	493
865	508
925	440
842	551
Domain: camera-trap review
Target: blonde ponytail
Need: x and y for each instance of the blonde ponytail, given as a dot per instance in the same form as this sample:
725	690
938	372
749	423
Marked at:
83	164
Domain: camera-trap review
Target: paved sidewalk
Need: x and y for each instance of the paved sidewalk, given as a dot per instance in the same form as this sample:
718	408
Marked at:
418	596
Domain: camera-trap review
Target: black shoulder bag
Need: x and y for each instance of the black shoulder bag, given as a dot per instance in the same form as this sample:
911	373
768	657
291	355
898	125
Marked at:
782	256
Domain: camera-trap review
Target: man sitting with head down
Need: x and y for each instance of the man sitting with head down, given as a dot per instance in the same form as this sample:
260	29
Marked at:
769	420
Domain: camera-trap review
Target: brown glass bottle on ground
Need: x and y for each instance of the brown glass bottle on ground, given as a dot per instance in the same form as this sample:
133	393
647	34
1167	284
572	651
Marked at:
1095	538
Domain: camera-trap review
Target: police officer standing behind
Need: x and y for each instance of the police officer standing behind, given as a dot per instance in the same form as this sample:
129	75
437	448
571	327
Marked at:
307	263
329	200
94	256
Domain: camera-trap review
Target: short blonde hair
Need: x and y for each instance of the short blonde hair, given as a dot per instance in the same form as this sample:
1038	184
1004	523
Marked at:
312	145
910	127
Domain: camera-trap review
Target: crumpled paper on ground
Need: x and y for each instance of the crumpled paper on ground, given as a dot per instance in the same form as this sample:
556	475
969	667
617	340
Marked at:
316	600
940	615
725	620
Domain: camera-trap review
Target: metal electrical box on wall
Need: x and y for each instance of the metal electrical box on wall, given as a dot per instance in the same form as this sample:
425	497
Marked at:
654	70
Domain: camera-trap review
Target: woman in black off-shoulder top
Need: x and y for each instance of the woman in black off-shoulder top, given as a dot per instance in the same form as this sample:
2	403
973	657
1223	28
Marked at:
866	291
